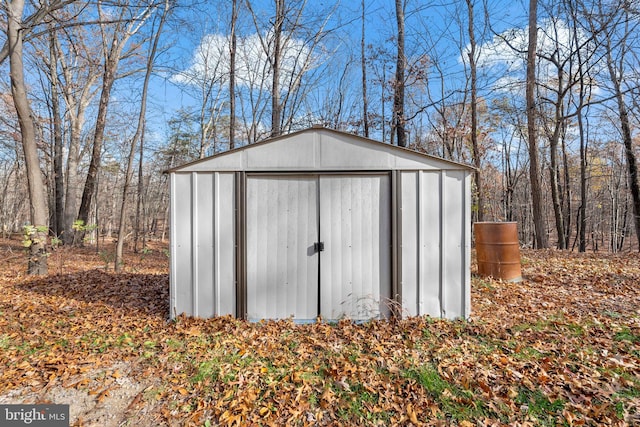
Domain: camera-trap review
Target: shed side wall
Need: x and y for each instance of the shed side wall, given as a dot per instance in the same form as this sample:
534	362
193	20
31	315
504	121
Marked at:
435	216
202	244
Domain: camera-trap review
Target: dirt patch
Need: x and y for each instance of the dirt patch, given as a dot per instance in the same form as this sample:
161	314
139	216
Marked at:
101	397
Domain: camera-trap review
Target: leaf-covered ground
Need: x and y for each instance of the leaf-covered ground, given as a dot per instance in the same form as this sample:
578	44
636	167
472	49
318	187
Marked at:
560	348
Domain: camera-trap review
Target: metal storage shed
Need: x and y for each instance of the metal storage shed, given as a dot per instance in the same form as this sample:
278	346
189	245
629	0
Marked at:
320	223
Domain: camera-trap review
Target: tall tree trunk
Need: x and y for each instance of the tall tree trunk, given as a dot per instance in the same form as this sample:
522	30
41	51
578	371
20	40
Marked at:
582	209
474	113
398	97
554	170
58	176
140	221
383	110
541	240
554	142
627	140
110	66
565	199
363	64
77	104
232	75
37	200
90	186
72	180
276	107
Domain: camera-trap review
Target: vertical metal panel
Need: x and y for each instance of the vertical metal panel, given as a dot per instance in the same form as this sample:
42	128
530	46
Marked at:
431	242
410	197
282	268
181	253
225	244
203	251
466	263
453	244
172	245
355	267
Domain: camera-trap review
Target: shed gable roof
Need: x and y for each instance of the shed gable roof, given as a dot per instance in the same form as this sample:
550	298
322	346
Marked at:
318	149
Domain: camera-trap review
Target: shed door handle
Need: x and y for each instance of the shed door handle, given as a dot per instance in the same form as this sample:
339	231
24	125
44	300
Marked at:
318	246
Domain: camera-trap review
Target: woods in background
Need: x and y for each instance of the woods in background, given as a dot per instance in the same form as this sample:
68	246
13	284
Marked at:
98	98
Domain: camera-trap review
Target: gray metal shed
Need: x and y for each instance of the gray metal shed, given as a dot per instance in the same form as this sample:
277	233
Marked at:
320	223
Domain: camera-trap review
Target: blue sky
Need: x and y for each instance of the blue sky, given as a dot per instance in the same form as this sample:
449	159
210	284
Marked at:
436	31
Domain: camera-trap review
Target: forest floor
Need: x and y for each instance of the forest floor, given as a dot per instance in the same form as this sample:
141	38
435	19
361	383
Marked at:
560	348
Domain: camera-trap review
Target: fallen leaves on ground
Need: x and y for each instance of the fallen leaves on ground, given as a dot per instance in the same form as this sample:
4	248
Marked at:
561	347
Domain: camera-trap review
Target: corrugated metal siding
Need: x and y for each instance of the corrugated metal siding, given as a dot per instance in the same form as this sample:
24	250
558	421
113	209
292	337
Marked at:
410	229
455	250
181	286
282	226
202	244
434	216
224	271
355	228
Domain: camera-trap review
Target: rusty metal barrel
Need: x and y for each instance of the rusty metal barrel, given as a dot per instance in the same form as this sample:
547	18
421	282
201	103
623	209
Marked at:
498	250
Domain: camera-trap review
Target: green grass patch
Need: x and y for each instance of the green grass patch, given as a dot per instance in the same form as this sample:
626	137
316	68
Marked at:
485	285
174	344
629	392
5	342
528	353
538	326
455	402
63	342
575	329
627	335
556	322
355	404
207	370
624	400
429	378
612	314
539	406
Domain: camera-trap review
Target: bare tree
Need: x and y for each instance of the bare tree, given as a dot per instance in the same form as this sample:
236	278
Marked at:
584	92
114	39
137	137
532	131
398	98
616	68
29	23
276	58
38	208
363	65
78	73
58	176
274	49
289	42
475	153
232	74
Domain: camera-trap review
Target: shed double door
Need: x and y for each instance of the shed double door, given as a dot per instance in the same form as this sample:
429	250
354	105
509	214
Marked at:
318	245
